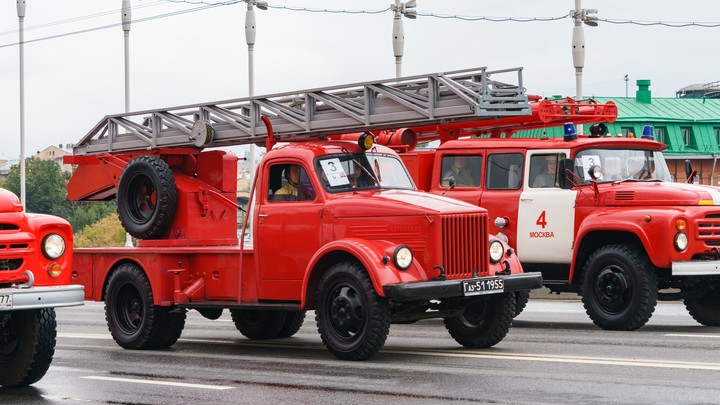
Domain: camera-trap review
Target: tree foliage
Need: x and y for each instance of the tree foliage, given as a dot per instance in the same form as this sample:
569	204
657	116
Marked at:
45	193
106	232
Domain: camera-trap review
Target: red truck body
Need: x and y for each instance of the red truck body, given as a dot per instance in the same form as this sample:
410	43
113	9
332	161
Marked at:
622	240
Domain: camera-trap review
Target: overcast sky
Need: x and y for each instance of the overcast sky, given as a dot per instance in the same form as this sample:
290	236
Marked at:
72	81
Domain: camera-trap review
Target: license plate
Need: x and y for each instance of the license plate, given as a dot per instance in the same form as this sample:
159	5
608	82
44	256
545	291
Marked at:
491	285
5	301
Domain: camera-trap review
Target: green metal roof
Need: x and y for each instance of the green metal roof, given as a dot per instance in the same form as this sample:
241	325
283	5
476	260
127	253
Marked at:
669	116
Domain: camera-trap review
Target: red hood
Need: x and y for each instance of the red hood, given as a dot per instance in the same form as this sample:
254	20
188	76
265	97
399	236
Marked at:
9	202
659	193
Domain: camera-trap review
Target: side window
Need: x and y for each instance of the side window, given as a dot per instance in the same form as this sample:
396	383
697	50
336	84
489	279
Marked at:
543	169
504	171
464	169
289	182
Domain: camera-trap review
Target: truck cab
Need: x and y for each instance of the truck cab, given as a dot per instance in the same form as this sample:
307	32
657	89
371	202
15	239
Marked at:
35	278
598	216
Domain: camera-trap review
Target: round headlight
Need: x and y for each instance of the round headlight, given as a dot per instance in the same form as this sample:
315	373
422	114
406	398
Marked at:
402	257
681	241
496	251
53	246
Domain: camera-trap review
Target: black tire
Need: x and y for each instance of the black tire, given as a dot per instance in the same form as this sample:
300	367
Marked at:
705	310
133	319
146	198
27	345
258	324
353	320
521	300
291	325
619	289
484	323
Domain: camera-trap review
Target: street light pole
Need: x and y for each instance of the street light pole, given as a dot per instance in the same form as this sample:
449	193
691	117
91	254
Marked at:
399	10
126	16
250	41
21	23
580	16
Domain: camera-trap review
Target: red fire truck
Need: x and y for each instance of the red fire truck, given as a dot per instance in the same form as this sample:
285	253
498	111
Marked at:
596	215
35	276
332	226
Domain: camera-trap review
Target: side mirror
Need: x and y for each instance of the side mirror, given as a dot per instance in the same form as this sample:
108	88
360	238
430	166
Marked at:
689	172
566	171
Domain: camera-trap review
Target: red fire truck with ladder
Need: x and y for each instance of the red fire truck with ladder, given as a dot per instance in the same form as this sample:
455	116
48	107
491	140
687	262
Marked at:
596	215
333	226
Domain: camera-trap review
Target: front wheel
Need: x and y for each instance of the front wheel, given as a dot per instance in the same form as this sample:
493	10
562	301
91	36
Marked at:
133	319
353	320
484	323
27	345
619	289
705	310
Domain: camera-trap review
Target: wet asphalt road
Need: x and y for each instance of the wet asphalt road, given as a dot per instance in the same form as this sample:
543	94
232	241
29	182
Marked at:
552	355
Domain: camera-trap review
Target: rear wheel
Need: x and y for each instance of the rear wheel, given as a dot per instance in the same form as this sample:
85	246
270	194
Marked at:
352	319
619	289
133	320
146	197
291	325
484	323
27	345
258	324
705	310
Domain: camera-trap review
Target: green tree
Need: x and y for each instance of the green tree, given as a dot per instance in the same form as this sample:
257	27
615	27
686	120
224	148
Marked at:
105	232
44	186
46	193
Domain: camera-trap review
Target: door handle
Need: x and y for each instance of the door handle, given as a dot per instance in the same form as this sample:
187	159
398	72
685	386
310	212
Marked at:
526	199
262	215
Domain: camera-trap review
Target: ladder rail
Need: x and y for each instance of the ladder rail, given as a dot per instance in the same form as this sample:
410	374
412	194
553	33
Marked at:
456	96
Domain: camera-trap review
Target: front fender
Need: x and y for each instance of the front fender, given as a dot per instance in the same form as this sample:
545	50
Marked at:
370	254
643	223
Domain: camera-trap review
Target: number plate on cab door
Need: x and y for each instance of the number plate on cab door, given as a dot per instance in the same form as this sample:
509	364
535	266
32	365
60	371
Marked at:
490	285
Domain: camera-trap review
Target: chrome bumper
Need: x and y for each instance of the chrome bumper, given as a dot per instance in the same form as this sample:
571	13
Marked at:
42	297
696	268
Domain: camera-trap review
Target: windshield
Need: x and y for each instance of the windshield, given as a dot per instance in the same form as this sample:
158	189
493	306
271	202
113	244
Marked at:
362	171
622	164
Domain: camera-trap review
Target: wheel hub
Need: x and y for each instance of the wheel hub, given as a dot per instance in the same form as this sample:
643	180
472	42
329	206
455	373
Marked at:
612	288
344	310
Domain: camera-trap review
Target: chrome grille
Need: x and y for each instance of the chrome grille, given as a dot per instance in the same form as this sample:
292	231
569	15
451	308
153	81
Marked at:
464	244
708	229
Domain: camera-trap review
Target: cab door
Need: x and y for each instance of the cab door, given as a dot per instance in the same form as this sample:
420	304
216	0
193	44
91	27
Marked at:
288	233
546	213
502	184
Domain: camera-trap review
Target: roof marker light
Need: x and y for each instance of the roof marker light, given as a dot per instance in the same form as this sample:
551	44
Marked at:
569	131
648	132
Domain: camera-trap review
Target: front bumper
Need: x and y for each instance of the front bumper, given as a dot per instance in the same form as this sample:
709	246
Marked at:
428	290
41	297
696	268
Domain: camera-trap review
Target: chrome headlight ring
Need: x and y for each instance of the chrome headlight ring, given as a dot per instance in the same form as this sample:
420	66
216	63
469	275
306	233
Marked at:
53	246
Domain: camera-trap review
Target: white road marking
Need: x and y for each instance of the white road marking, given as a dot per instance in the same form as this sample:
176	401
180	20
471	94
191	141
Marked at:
155	382
470	354
569	359
693	335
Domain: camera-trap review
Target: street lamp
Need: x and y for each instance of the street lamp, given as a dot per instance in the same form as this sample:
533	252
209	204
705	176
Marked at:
250	40
580	16
400	10
21	23
126	17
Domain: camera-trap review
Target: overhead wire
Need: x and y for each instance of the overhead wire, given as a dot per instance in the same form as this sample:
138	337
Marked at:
207	5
